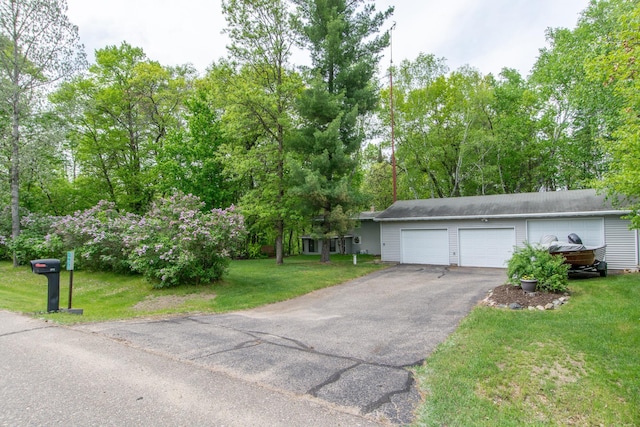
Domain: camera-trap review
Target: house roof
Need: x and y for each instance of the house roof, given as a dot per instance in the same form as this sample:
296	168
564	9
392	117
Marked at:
368	215
544	204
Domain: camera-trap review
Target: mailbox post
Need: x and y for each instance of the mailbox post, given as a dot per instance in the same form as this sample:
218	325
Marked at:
51	269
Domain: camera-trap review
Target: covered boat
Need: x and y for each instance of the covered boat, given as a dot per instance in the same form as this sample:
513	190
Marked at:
580	257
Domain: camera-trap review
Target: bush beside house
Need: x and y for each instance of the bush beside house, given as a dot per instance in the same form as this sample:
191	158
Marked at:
534	262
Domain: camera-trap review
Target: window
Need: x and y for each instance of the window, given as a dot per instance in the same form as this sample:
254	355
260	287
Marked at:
332	245
312	245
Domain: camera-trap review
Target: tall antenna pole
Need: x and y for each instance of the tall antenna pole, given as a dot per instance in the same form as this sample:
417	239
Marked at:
393	148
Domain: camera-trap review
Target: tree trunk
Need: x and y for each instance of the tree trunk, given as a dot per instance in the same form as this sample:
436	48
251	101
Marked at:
15	173
279	245
290	249
280	169
325	254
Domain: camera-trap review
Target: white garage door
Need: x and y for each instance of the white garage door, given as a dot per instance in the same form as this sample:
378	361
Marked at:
425	247
486	247
590	230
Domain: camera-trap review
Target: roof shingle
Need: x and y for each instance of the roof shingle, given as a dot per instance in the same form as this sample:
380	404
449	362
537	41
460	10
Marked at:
543	204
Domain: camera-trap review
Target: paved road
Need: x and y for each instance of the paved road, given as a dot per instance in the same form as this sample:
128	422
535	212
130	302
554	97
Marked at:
340	353
52	375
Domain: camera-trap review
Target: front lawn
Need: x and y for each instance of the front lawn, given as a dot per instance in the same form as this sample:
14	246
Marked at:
579	365
107	296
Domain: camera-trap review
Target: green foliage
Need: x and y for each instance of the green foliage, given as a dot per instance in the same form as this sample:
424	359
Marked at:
575	111
189	161
99	237
517	368
177	243
120	114
5	232
461	133
260	111
254	251
38	46
616	68
515	163
377	182
345	47
172	244
448	116
34	240
536	262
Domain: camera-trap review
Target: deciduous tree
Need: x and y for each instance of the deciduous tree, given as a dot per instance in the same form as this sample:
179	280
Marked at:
122	112
618	69
38	47
260	108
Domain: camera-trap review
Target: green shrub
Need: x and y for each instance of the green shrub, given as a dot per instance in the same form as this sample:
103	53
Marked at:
532	261
254	251
177	243
34	241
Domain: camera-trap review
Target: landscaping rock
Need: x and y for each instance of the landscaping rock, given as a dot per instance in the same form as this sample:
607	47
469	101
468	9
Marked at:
512	297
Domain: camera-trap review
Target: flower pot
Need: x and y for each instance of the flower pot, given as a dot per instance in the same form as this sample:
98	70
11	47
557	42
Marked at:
528	285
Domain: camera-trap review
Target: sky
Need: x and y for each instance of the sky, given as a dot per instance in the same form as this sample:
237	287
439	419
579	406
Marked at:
485	34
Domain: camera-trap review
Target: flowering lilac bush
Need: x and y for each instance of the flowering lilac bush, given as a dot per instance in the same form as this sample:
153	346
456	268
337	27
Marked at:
176	242
33	241
4	247
98	235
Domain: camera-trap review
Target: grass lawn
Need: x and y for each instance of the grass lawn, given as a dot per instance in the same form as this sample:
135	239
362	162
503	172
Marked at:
106	296
579	365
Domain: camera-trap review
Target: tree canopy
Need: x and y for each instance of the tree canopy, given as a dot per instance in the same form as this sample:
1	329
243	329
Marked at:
302	149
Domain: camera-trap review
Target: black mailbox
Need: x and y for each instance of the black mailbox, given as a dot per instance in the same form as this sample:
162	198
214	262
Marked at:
51	269
45	266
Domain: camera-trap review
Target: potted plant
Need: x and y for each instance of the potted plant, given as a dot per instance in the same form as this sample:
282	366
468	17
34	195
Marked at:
528	283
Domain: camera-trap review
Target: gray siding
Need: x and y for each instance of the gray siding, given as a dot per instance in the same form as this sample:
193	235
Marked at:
390	241
621	252
622	244
369	233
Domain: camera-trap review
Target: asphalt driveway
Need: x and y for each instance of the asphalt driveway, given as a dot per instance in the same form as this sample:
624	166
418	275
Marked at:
348	346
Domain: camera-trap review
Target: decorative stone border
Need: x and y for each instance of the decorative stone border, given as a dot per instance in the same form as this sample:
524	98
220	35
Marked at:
556	303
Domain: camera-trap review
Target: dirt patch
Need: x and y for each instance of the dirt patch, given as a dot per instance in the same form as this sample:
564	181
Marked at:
560	374
505	295
153	303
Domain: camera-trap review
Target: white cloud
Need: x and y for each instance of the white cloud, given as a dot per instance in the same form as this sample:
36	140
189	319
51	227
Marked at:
486	34
170	32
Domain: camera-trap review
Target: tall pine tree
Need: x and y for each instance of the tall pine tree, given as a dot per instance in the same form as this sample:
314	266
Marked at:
344	40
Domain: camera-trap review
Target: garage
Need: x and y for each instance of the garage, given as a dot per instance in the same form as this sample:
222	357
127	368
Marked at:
486	247
483	230
590	230
425	246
